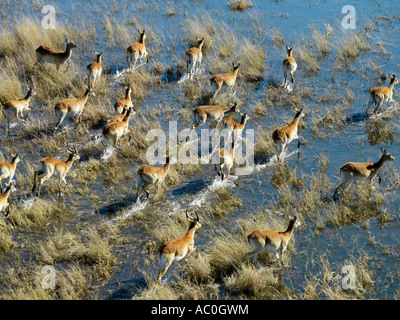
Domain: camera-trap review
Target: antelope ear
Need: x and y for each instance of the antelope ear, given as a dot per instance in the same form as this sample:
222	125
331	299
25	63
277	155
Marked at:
383	150
290	217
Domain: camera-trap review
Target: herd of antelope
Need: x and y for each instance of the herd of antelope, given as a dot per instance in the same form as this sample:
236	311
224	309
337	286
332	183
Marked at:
117	127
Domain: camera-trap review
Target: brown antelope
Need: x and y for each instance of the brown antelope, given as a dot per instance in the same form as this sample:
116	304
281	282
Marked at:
217	113
72	108
114	131
226	159
285	134
50	166
94	70
289	66
271	241
7	170
362	171
226	79
4	205
137	51
379	95
46	54
120	105
177	249
148	175
232	125
120	117
16	108
194	57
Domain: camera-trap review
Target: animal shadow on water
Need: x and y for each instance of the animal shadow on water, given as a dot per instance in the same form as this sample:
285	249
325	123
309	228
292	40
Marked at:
126	289
193	186
357	117
112	209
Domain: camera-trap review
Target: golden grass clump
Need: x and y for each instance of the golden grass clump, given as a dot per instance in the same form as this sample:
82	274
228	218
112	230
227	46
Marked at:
252	59
226	255
240	5
250	282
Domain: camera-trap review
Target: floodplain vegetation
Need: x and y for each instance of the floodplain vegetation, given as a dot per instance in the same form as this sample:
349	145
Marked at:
91	230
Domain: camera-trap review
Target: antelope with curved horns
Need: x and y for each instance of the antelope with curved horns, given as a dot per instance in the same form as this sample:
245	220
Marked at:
379	95
271	241
7	170
16	108
124	103
362	171
232	125
289	66
94	70
46	54
226	79
4	205
217	113
137	51
148	175
177	249
72	108
114	131
194	57
285	134
50	166
226	159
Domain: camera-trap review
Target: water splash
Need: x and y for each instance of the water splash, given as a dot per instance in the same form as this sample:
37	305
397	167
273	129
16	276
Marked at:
217	183
108	153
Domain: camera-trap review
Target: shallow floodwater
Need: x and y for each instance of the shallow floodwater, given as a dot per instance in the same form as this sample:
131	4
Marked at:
348	142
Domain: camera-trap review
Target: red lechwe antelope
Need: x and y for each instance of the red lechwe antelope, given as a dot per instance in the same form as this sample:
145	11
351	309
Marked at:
289	66
120	117
46	54
362	171
226	79
124	103
178	248
17	107
285	134
94	70
7	170
379	95
114	131
4	205
137	51
217	113
232	125
148	175
226	159
271	241
194	57
50	166
72	108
